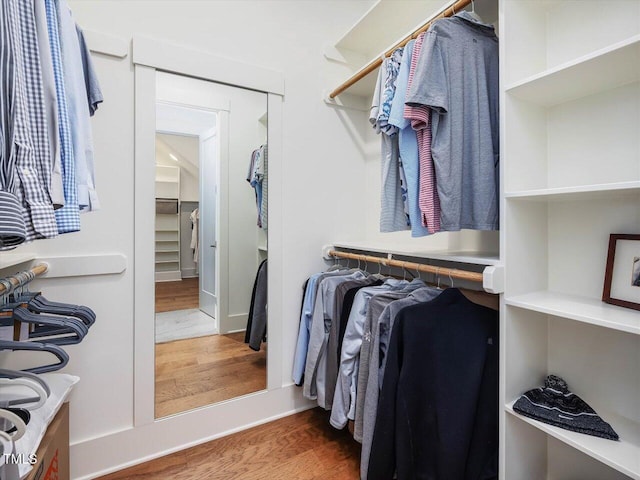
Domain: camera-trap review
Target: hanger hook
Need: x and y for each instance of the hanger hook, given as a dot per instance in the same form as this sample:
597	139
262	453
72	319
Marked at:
7	290
453	8
380	267
450	279
473	6
438	276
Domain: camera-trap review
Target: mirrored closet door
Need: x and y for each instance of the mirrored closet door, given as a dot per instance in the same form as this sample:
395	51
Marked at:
211	191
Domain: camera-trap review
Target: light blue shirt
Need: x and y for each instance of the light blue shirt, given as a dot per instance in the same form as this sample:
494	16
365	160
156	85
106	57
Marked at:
316	364
408	144
304	332
78	108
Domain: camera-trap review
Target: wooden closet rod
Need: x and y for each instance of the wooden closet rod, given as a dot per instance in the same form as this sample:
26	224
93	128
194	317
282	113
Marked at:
37	271
411	266
375	63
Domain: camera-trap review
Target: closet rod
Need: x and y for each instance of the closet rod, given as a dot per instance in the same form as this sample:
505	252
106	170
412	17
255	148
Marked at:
411	266
375	63
38	270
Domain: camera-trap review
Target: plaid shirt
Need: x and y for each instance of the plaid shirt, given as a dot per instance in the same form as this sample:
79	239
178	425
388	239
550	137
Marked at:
30	146
12	231
68	217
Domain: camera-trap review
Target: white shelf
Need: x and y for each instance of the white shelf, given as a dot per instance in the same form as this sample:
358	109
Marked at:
581	309
474	258
385	23
602	70
167	250
623	455
583	192
10	259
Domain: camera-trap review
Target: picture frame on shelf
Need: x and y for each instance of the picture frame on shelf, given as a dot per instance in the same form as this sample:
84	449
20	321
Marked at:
622	274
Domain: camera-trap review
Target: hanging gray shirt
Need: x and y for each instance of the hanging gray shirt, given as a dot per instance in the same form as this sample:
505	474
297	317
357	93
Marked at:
316	363
383	325
377	304
457	77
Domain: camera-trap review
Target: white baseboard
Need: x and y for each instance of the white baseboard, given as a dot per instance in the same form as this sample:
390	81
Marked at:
236	322
100	456
168	276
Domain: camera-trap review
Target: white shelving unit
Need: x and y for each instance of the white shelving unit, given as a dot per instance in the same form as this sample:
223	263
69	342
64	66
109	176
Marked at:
167	249
571	173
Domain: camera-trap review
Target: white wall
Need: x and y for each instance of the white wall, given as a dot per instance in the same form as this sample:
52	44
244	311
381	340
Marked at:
323	192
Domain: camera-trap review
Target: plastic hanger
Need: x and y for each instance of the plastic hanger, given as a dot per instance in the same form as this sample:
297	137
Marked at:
7	373
55	350
18	423
28	403
38	304
73	329
473	13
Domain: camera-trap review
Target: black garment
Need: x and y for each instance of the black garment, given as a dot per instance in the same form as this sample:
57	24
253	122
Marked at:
438	409
256	331
347	303
334	342
556	405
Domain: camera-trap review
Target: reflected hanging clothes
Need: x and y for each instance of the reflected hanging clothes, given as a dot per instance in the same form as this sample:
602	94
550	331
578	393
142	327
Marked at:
256	331
195	221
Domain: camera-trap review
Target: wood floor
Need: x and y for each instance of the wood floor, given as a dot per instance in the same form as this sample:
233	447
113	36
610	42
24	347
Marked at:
180	295
195	372
299	447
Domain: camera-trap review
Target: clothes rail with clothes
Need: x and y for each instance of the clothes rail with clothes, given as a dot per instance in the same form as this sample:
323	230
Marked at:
400	359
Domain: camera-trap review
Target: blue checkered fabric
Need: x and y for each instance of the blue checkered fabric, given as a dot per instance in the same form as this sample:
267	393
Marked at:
68	217
30	140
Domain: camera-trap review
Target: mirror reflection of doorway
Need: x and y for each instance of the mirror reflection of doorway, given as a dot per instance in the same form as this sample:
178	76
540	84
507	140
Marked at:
208	247
185	293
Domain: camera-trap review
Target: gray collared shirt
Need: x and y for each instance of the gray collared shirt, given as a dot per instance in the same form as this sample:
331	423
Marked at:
316	364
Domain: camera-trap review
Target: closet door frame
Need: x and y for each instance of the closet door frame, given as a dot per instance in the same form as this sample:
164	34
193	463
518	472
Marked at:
149	56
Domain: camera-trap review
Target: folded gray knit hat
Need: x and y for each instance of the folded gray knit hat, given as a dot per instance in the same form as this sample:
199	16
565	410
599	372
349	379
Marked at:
556	405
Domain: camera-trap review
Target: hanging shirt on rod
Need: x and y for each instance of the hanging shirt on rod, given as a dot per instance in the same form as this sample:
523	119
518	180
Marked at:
420	118
78	108
392	213
28	140
457	78
408	144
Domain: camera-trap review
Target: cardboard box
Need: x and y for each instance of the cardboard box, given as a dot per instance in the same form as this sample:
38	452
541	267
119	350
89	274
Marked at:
53	452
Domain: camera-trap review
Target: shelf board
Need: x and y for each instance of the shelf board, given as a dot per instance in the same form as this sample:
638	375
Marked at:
11	259
602	70
167	261
581	309
583	192
474	258
385	23
623	456
171	250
